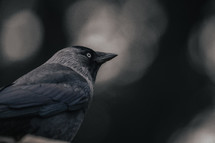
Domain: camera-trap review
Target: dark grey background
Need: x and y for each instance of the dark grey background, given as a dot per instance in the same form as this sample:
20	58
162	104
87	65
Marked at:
166	98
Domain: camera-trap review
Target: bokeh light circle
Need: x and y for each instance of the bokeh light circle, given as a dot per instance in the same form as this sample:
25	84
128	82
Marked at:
131	30
21	36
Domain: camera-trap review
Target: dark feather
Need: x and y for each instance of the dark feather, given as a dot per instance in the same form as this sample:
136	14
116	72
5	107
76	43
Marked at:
45	99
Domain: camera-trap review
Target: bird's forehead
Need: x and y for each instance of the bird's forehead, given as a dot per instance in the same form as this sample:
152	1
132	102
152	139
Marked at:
82	48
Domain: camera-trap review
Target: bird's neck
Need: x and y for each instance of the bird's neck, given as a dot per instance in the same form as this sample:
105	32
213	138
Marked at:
86	75
70	62
80	70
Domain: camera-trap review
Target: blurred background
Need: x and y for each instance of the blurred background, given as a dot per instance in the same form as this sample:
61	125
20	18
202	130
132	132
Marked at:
161	87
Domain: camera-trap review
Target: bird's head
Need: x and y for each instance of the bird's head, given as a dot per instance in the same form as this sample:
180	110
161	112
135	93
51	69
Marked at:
83	60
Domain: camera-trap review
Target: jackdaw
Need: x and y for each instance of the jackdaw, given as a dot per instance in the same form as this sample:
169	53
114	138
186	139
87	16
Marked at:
51	100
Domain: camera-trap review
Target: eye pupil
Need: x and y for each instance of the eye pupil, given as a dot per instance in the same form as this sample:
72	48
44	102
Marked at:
88	55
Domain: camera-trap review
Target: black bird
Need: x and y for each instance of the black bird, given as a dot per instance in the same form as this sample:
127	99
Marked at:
51	100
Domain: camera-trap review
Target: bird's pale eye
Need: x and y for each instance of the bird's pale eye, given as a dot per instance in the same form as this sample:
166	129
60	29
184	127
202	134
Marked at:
89	55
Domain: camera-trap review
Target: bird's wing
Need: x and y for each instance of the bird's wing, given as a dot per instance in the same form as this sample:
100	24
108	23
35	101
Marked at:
42	99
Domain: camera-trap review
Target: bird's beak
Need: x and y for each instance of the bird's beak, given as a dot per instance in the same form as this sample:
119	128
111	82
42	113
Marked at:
104	57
